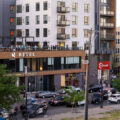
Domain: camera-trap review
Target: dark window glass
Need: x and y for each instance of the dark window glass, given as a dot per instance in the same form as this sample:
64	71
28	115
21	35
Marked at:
37	6
19	8
45	5
27	7
45	34
27	32
37	32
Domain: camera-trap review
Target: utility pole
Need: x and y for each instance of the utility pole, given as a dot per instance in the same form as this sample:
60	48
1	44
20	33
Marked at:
87	77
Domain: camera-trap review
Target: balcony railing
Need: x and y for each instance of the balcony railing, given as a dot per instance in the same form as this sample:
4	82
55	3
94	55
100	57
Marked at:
63	23
63	9
107	13
105	51
107	25
107	37
63	36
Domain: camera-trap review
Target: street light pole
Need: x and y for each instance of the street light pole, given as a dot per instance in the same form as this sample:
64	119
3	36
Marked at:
25	72
87	77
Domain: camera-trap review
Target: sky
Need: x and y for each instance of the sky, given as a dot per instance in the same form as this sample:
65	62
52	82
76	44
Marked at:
118	13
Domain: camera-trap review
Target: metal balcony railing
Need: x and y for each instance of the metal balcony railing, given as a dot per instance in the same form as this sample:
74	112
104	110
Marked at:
63	9
63	36
63	23
107	37
107	13
107	25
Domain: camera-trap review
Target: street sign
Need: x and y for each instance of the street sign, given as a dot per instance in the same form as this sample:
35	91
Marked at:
84	61
103	65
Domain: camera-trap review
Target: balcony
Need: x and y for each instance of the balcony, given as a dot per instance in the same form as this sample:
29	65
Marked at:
63	23
63	36
63	9
103	51
107	13
107	37
107	25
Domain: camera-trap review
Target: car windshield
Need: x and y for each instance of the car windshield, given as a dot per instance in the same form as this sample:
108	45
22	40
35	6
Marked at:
33	107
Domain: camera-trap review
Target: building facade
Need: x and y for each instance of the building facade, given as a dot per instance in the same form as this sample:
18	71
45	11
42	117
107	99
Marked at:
105	26
55	22
117	52
7	21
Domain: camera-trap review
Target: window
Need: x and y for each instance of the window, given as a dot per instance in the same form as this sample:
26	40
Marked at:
61	30
74	32
45	32
45	19
37	32
74	7
45	5
27	20
27	7
19	33
86	8
19	8
27	32
37	6
11	33
19	20
86	33
86	20
74	20
12	21
37	19
60	4
50	61
12	8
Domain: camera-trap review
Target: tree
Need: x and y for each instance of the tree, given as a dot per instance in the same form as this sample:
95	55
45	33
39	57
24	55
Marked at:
116	83
9	92
72	96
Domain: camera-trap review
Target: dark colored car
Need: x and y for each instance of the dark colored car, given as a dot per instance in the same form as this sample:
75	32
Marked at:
45	94
96	99
95	88
59	100
33	110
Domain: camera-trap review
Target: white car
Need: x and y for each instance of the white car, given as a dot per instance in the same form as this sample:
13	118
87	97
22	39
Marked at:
115	98
76	88
80	103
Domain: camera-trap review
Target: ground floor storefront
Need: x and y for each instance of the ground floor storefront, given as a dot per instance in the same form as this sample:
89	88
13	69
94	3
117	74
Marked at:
52	82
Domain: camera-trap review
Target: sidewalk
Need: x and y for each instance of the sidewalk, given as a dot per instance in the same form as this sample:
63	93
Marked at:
93	113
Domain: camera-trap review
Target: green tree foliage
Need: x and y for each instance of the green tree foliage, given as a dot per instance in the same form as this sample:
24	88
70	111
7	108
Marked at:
116	83
9	92
72	96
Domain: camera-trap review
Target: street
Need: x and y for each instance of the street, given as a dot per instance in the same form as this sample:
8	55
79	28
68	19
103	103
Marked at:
59	112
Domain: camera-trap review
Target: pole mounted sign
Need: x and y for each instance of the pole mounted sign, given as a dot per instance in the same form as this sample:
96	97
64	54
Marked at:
103	65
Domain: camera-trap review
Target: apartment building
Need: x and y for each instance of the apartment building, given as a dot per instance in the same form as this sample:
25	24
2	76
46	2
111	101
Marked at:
105	24
51	42
117	52
55	22
7	21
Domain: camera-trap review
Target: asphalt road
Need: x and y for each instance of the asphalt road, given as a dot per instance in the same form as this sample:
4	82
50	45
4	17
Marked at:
54	110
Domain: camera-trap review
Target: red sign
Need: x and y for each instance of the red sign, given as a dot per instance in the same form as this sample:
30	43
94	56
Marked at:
103	65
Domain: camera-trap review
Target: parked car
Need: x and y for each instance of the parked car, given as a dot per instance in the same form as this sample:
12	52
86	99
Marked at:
114	98
45	94
59	100
33	110
96	99
62	91
81	103
95	88
4	113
